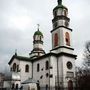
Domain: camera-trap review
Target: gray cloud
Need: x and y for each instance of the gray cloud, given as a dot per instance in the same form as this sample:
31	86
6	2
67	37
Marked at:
18	19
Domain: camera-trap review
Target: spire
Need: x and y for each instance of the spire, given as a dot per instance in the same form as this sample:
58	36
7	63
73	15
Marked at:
59	2
38	26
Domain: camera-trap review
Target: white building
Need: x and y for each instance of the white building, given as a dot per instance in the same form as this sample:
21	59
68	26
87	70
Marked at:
51	70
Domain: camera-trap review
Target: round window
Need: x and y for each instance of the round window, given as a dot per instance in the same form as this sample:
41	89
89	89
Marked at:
69	65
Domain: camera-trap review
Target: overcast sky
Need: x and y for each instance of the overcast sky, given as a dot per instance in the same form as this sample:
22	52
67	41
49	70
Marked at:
19	19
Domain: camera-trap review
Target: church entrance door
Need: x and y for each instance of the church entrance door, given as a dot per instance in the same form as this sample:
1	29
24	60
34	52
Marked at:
70	85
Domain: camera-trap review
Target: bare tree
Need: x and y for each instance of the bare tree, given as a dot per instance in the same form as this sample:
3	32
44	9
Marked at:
83	73
86	62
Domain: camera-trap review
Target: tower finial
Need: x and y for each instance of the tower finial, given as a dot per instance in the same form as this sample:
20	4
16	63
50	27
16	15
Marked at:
38	26
16	52
59	2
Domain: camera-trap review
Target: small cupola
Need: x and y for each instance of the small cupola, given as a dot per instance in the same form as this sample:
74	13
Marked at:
38	36
37	44
39	33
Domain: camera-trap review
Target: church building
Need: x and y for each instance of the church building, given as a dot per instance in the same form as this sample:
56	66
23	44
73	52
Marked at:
47	71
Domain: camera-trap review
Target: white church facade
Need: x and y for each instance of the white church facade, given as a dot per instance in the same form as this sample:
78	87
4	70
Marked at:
47	71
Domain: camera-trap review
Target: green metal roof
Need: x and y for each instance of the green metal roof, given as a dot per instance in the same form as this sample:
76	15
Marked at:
60	6
38	33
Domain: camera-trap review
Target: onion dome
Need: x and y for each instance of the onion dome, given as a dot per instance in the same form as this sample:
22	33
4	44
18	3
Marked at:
38	33
60	6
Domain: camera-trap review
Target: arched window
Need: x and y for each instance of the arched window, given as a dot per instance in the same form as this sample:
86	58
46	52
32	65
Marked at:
56	39
14	67
27	68
38	67
16	86
67	38
47	65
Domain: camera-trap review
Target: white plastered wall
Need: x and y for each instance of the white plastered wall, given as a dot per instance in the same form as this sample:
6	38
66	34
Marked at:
36	75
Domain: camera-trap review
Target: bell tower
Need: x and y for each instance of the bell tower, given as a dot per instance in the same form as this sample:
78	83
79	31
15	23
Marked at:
61	33
62	47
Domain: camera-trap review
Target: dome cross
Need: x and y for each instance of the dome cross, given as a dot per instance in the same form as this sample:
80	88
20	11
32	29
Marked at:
59	2
38	26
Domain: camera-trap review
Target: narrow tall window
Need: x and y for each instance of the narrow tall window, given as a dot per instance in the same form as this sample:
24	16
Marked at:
47	65
17	68
55	13
16	86
27	68
40	38
65	12
14	67
67	38
56	39
38	67
33	37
